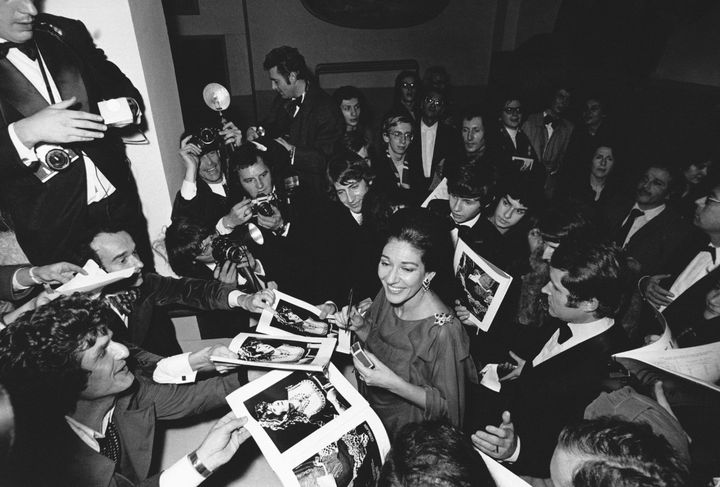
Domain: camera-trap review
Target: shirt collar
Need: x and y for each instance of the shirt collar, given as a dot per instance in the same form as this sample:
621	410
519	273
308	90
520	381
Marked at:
652	213
85	431
585	331
428	127
470	223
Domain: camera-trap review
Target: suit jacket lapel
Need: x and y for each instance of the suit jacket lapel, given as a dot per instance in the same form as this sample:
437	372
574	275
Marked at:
137	432
64	69
18	91
650	226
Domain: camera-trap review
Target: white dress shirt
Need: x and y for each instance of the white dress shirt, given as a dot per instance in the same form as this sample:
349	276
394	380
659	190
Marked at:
470	223
427	139
180	474
513	135
98	186
188	190
642	220
698	268
581	332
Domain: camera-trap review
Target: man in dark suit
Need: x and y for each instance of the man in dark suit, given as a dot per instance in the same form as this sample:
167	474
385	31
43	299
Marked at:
689	275
509	148
50	103
542	394
649	229
298	249
436	146
85	419
205	195
142	301
303	117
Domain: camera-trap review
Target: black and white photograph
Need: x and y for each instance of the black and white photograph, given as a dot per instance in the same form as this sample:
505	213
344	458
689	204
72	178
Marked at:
292	317
483	285
353	459
257	350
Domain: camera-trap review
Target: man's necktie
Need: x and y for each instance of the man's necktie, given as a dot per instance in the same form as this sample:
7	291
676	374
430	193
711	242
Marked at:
549	119
623	233
27	48
123	301
293	106
110	445
565	333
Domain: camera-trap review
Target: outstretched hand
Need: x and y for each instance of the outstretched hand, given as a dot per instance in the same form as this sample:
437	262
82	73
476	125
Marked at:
499	442
223	440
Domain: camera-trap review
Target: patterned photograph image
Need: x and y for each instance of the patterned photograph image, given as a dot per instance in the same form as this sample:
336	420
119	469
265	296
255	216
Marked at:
277	350
479	286
353	459
295	319
295	407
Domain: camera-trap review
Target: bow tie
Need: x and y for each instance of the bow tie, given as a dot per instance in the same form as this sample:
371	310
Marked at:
27	48
712	251
549	119
123	301
565	333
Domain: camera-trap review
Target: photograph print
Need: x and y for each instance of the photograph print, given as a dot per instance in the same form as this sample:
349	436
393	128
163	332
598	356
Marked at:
353	459
295	407
484	285
291	316
280	352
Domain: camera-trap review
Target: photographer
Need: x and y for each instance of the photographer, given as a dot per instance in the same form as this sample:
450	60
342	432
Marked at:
204	193
41	107
195	250
298	246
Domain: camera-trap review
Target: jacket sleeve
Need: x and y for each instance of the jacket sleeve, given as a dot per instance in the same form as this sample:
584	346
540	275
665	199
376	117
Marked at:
202	294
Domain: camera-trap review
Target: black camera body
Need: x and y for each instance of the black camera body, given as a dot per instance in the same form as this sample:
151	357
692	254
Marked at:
206	136
56	157
224	248
262	205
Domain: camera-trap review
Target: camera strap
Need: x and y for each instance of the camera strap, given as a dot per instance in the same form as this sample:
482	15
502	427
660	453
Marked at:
43	71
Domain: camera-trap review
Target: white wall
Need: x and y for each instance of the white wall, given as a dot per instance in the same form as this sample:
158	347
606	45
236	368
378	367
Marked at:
133	34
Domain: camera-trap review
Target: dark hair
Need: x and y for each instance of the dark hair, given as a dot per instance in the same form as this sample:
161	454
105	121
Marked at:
353	141
429	72
40	352
559	221
347	167
676	178
85	251
521	189
393	119
183	239
472	111
433	453
592	272
426	233
287	60
621	453
506	97
470	180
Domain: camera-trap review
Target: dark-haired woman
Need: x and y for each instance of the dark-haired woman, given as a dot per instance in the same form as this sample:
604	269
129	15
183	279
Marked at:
419	349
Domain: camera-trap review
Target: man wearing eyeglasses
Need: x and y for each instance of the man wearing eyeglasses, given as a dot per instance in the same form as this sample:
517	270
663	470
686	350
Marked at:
510	149
680	292
438	145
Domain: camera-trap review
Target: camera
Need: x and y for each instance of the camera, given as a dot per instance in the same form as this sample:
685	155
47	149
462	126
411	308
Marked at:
262	205
55	157
223	248
205	137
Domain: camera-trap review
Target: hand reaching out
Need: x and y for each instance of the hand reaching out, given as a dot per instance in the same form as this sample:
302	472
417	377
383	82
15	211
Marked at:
57	124
499	442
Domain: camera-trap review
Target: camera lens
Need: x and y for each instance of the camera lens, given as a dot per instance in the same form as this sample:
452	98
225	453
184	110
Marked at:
57	159
207	135
265	209
225	249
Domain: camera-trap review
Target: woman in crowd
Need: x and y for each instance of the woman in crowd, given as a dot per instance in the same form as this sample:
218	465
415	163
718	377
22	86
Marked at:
407	94
359	218
419	350
695	170
593	184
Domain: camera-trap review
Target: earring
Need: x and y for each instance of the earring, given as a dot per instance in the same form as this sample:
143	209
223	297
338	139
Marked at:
426	284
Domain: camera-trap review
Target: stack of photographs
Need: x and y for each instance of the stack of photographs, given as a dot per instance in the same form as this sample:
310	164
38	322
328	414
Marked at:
313	429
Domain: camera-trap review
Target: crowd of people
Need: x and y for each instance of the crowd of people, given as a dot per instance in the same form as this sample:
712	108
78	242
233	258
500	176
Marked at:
321	200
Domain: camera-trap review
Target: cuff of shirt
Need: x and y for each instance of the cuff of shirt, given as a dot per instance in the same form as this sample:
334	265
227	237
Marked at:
233	298
188	190
28	156
174	370
514	457
222	229
181	474
16	286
